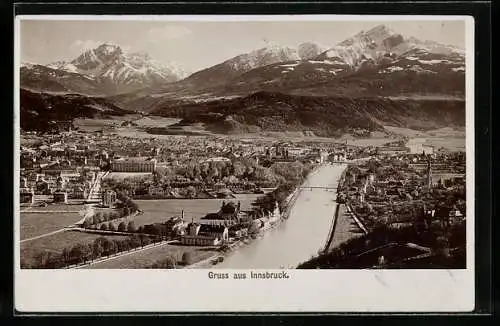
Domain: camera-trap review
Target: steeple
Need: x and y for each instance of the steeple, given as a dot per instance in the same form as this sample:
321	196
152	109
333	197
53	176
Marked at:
429	173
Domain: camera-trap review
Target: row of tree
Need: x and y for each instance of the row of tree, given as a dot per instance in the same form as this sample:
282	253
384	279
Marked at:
111	226
171	263
83	253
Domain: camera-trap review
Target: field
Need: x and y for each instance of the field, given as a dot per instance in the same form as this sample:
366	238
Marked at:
154	121
91	125
55	207
56	243
162	210
146	258
34	224
448	138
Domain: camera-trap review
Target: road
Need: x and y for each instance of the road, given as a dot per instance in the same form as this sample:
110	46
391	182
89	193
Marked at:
44	235
345	228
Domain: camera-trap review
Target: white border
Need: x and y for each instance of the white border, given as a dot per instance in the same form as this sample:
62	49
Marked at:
306	290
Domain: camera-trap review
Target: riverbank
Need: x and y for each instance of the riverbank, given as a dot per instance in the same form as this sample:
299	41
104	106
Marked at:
309	214
240	244
329	239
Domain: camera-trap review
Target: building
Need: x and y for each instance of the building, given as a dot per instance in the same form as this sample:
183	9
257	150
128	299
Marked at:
429	174
61	183
205	235
108	198
229	214
176	225
419	148
133	165
27	197
79	192
392	150
340	156
60	197
156	191
42	187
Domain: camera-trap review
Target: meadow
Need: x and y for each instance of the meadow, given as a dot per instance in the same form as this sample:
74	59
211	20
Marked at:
56	243
34	224
161	210
146	258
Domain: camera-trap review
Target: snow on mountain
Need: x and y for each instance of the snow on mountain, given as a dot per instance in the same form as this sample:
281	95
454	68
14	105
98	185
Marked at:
263	57
381	45
26	64
109	63
271	54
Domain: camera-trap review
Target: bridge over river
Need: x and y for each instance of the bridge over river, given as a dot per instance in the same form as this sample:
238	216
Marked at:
302	235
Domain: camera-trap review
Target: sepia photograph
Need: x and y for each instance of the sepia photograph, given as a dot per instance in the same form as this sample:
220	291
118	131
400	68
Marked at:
267	145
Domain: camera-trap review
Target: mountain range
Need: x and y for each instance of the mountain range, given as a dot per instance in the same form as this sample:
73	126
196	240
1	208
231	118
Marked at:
105	70
379	64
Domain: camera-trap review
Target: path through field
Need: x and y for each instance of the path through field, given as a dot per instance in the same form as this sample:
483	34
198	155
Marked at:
44	235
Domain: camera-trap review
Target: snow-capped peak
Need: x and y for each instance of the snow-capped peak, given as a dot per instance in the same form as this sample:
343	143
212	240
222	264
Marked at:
108	62
28	64
270	54
379	43
108	48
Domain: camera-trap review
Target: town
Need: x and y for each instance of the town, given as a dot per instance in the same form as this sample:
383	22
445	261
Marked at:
89	200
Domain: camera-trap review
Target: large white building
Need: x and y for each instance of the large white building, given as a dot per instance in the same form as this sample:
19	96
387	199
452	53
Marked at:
133	165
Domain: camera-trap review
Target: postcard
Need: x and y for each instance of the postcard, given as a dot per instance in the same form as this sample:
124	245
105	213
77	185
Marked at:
282	163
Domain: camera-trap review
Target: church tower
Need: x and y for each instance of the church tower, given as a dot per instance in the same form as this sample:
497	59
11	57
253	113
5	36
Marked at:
429	173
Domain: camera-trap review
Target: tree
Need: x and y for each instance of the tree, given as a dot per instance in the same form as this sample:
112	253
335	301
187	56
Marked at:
54	261
145	241
131	227
42	258
86	253
65	255
76	253
122	227
187	258
135	241
99	217
107	246
97	247
170	262
105	216
104	227
111	226
85	224
191	192
90	248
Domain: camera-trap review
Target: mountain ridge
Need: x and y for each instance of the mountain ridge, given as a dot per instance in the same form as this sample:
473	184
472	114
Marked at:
108	67
324	115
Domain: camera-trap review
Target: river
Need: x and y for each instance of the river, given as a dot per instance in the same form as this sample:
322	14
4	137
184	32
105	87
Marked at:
302	235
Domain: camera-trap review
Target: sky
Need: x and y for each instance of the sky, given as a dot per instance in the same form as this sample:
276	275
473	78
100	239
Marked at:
197	45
